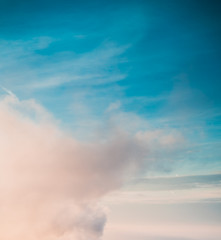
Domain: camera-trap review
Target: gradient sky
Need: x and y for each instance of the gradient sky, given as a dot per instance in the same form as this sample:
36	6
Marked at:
150	69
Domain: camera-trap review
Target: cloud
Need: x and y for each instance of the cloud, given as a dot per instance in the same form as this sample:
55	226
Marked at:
170	190
36	67
50	182
180	182
164	231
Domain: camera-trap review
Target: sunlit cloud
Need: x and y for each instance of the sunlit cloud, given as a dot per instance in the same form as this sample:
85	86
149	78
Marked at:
51	182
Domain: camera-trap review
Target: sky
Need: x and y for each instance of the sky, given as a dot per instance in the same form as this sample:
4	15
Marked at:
110	119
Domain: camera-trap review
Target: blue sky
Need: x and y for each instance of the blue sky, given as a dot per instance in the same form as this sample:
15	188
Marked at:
149	68
156	59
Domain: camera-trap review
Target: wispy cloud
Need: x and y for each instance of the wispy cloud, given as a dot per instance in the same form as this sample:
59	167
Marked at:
32	70
167	232
170	190
179	182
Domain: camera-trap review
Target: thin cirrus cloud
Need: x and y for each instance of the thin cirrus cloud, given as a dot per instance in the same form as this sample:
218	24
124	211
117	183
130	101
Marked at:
34	70
170	190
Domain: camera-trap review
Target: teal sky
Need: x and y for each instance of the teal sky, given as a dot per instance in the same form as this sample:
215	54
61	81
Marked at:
158	60
149	68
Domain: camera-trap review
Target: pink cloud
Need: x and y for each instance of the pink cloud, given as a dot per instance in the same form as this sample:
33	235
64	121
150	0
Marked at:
50	182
